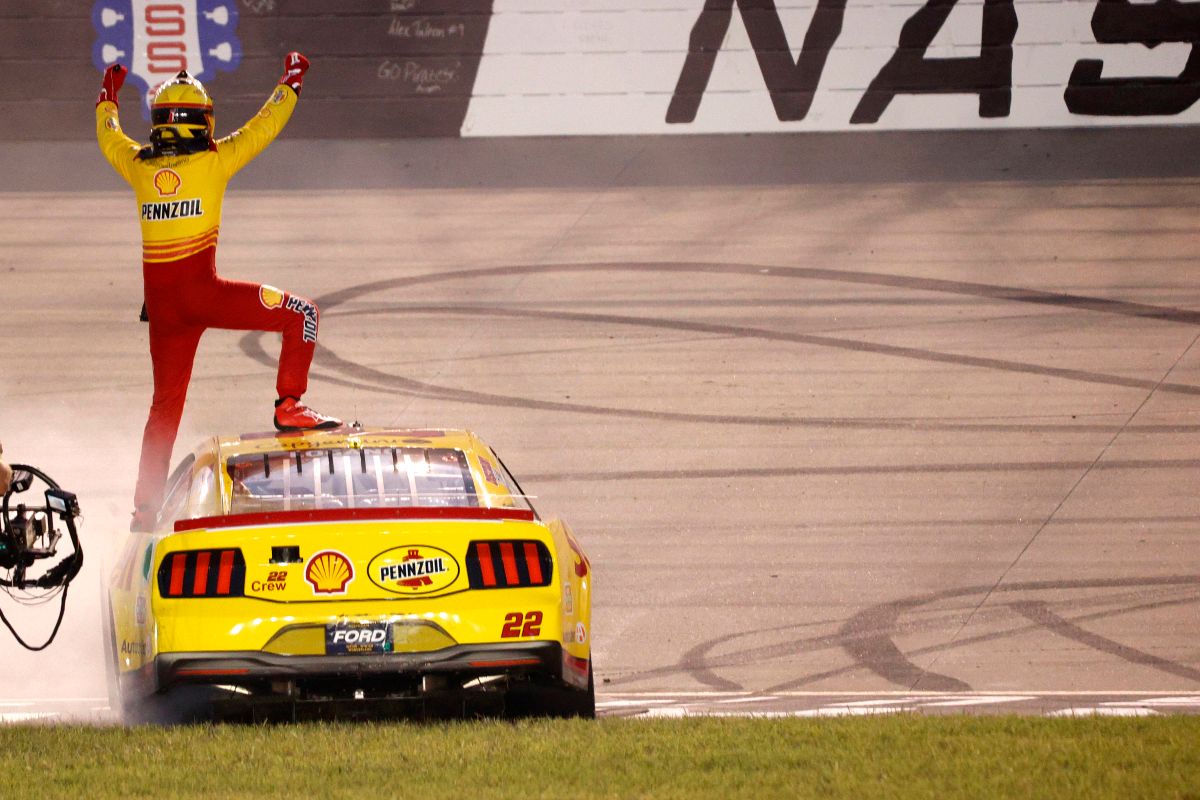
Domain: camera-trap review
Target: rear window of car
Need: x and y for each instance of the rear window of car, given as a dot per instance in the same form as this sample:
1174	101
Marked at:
370	477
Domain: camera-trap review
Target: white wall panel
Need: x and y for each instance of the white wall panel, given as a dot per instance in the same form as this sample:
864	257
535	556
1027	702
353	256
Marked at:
612	66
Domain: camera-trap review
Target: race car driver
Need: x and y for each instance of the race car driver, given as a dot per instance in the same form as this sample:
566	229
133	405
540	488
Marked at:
179	180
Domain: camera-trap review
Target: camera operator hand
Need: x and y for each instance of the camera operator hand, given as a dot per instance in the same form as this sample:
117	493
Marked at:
5	472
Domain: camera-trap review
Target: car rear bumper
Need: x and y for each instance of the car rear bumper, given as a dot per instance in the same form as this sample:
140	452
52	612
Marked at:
255	667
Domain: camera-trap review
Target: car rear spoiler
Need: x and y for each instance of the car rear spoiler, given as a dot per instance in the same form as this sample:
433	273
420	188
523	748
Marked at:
351	515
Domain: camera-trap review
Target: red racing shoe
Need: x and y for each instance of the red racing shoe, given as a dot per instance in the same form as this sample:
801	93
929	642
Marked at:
292	415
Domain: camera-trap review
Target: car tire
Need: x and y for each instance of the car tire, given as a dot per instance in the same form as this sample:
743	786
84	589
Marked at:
583	704
183	705
553	701
111	668
191	704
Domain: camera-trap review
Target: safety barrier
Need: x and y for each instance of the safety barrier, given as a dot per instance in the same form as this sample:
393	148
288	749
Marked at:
396	68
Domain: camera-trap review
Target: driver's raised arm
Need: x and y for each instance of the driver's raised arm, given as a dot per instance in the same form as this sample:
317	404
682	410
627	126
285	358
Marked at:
118	148
240	147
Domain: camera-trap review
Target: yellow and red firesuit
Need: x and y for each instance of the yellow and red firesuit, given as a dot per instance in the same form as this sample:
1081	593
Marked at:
179	191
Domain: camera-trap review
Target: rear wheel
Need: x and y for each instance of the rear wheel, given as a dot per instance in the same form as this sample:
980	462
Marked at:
183	705
111	667
585	701
552	701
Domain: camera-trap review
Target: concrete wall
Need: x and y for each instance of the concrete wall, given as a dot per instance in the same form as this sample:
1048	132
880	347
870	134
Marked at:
394	68
668	66
381	68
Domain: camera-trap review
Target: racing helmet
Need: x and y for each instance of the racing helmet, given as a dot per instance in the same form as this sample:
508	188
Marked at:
181	116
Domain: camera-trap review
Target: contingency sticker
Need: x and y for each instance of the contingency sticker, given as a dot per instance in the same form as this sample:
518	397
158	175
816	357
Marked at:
358	638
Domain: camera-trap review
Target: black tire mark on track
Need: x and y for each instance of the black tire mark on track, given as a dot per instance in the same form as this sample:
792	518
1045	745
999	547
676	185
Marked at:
369	379
984	290
328	358
1039	611
869	644
869	631
863	469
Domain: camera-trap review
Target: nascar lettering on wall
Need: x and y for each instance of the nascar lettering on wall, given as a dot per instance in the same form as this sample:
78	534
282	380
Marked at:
778	65
394	68
910	71
158	39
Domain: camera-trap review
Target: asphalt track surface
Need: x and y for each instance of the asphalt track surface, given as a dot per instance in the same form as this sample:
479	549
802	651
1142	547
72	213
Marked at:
848	424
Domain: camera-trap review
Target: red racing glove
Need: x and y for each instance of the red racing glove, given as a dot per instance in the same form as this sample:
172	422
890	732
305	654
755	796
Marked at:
114	77
294	65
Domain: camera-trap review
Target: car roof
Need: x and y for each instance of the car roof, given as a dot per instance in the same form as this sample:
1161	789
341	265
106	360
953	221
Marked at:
346	437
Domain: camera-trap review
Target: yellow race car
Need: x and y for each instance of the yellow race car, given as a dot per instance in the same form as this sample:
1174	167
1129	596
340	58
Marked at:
351	571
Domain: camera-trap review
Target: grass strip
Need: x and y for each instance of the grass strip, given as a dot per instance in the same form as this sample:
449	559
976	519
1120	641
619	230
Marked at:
895	756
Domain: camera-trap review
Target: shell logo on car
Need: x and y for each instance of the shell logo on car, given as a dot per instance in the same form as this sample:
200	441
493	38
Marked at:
329	572
167	182
269	296
413	569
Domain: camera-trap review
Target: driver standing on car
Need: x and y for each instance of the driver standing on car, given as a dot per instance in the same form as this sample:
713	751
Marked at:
5	472
179	180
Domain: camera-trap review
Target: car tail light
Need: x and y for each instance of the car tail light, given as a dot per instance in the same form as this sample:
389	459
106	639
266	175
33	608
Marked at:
508	564
202	573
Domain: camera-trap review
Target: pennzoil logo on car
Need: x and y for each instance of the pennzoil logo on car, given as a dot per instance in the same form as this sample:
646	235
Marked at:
329	572
413	569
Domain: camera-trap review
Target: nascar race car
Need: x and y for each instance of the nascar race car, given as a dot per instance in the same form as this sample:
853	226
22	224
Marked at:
324	573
